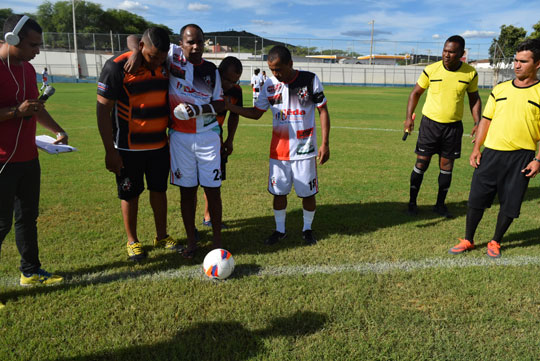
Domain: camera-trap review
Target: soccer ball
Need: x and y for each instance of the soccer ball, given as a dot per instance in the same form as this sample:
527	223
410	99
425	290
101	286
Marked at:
218	263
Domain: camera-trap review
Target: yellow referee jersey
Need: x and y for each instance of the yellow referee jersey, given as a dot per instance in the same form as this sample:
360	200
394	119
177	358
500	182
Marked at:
515	117
444	102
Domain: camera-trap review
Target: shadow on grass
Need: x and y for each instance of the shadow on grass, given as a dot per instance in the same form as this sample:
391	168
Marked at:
522	239
217	340
246	236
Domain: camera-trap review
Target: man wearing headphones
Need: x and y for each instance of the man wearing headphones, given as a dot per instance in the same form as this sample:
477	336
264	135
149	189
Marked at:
20	108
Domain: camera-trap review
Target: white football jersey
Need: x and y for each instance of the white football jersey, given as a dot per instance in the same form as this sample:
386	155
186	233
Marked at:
293	109
256	82
196	84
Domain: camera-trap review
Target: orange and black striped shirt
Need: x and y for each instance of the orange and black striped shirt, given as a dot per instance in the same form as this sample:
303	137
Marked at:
141	114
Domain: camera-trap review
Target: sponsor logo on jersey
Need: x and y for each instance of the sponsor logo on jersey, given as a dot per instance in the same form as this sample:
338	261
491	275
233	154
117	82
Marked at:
192	91
177	71
285	114
303	134
305	148
274	88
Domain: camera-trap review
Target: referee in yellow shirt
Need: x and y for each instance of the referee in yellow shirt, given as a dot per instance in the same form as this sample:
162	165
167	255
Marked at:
441	129
510	131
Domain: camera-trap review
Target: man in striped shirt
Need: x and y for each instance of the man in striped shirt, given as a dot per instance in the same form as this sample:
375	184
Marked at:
133	114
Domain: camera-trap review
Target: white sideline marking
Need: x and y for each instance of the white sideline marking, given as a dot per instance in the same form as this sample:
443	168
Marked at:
383	267
465	135
270	125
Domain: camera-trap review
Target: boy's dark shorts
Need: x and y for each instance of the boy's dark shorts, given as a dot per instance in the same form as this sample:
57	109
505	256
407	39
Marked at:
154	164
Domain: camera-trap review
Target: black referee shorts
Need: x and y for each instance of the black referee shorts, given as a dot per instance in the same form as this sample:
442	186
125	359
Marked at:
500	172
154	164
439	138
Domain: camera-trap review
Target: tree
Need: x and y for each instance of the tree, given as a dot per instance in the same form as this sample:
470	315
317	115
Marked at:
504	47
4	14
536	33
90	18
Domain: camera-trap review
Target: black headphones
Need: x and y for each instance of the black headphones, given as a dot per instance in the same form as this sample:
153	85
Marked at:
12	37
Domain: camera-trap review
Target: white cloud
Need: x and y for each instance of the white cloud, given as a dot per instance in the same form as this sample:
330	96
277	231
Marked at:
198	7
132	6
478	34
261	22
435	36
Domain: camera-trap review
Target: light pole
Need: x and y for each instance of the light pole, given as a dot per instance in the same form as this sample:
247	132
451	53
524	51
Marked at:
75	40
372	22
255	54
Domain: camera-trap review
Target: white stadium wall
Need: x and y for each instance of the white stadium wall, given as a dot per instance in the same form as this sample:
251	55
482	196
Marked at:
61	67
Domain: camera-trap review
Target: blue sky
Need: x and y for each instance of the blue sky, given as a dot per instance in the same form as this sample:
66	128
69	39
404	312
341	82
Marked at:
400	25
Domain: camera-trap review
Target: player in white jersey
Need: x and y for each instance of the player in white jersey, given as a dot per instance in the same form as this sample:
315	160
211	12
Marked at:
195	98
256	84
293	96
45	79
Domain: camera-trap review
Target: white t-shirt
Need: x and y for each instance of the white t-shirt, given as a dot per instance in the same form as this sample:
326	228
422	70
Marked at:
256	82
196	84
293	109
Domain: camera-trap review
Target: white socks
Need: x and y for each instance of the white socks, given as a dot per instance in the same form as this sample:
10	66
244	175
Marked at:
308	219
279	216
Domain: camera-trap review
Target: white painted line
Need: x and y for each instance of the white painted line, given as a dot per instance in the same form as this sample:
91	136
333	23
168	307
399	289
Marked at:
383	267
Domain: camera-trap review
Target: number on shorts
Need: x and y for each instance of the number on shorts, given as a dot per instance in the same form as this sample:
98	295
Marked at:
313	184
217	176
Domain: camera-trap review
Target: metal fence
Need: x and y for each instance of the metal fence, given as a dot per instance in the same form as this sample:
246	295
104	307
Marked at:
257	46
94	49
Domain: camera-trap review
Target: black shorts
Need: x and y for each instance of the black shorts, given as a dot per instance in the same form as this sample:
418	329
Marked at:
500	172
154	164
439	138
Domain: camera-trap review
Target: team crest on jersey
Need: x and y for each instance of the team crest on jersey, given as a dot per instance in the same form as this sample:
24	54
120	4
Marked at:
126	185
302	94
273	181
208	80
177	173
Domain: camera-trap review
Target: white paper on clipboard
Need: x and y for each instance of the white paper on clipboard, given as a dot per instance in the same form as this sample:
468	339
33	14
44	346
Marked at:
45	143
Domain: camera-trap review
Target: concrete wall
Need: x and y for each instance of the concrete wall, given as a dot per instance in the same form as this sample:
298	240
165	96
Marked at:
61	66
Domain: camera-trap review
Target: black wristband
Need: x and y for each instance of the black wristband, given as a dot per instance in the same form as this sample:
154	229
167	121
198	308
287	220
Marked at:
536	159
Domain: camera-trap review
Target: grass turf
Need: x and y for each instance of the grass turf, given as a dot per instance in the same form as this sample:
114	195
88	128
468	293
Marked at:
278	305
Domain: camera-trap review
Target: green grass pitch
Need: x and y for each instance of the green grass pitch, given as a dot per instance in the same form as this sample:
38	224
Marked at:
378	286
